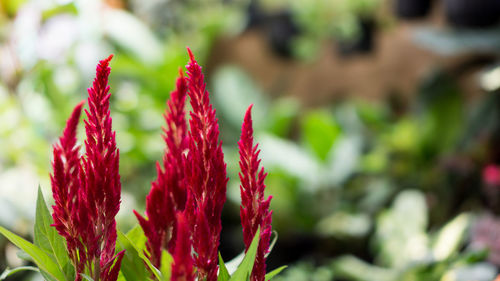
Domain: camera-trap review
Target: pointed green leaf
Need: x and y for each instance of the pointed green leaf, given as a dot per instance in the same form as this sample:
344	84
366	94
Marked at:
8	272
245	269
41	259
275	272
132	267
137	239
223	273
47	238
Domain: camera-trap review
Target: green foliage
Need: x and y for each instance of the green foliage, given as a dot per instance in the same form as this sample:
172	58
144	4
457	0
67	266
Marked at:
320	132
137	240
47	238
132	264
48	268
223	273
429	256
49	251
8	272
244	270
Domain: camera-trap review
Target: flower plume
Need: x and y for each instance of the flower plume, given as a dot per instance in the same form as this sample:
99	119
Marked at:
206	174
87	188
168	191
100	180
65	184
254	209
182	268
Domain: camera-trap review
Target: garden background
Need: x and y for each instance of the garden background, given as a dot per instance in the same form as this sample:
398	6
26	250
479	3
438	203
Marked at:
378	120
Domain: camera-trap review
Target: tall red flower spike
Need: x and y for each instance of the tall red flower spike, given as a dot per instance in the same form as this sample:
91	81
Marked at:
182	268
100	182
168	191
65	185
254	210
206	175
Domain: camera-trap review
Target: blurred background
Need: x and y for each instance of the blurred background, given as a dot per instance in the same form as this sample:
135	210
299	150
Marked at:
378	120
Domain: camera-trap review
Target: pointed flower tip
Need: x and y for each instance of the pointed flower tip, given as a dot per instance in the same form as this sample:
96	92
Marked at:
247	128
105	62
79	106
191	56
181	73
137	214
75	115
108	59
248	114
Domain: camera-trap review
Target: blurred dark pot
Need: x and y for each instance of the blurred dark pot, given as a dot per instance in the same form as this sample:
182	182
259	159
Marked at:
361	44
281	31
472	13
255	16
412	9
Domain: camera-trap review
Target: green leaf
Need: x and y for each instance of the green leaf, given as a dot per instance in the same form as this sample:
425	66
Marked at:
320	131
223	273
137	239
121	277
47	238
41	259
245	269
275	272
47	276
8	272
132	266
166	265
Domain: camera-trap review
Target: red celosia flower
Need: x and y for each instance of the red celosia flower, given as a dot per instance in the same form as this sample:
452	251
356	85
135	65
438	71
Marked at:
168	191
100	183
206	175
87	189
254	210
65	184
182	268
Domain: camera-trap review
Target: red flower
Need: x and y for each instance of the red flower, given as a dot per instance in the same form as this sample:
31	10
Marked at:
254	210
168	191
100	181
87	189
206	175
182	268
65	184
